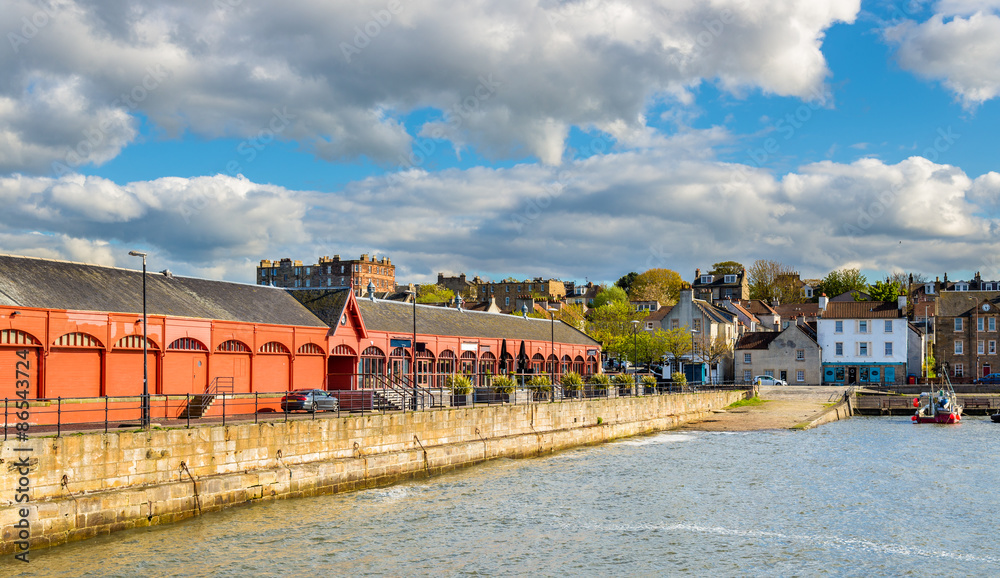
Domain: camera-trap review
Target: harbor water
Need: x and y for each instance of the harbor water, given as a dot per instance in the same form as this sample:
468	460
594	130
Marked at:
861	497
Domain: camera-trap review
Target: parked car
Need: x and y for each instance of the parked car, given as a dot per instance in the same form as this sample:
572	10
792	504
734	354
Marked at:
992	378
308	400
768	380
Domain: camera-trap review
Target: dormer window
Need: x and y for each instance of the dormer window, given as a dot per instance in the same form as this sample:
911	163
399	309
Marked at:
706	278
961	287
730	279
929	288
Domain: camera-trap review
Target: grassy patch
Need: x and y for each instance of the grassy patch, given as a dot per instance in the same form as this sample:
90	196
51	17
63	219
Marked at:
753	401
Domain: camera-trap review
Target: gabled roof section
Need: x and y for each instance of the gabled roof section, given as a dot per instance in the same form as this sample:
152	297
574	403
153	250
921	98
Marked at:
330	305
758	307
809	331
790	310
48	284
964	303
395	317
659	314
736	305
757	339
861	310
716	314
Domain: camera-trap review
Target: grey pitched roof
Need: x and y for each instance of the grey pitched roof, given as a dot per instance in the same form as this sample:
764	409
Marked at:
326	304
757	339
395	317
48	284
964	303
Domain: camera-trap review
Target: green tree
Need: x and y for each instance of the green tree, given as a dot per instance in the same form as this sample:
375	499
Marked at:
626	281
608	295
611	324
841	281
675	342
884	291
662	285
431	293
726	268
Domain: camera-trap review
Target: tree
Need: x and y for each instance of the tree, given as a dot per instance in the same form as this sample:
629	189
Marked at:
431	293
611	324
773	281
841	281
626	281
662	285
608	295
726	268
676	342
884	291
711	352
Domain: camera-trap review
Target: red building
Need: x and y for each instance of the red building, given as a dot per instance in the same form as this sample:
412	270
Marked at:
81	326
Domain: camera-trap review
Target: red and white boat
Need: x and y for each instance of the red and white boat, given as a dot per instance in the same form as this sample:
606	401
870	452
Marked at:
938	406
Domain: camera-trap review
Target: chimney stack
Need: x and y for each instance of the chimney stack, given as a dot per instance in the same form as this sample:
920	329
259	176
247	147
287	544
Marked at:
822	302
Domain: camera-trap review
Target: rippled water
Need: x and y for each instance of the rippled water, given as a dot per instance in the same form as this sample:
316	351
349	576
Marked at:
859	497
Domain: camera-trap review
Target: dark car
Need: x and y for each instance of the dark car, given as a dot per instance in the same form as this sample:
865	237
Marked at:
992	378
308	400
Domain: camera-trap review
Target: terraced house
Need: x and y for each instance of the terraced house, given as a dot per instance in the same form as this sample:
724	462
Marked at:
965	333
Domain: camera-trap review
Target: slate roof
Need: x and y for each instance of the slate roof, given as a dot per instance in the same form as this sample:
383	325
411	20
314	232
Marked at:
861	310
48	284
757	339
758	307
659	314
745	311
790	310
962	303
397	317
326	304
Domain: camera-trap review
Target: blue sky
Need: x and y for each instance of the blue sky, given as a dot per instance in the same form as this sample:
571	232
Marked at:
576	140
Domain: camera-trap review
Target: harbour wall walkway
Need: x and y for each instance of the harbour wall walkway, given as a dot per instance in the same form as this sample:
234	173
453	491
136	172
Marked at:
88	484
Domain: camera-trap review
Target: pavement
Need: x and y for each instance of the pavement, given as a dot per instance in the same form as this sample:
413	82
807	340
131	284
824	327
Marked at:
785	406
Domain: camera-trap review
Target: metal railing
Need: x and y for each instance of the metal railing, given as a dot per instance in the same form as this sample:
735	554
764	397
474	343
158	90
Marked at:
56	416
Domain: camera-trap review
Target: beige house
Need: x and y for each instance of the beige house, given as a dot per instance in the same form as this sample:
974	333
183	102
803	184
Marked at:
793	355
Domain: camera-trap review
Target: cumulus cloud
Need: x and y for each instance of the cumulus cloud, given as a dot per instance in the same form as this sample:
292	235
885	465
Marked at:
959	46
508	77
598	217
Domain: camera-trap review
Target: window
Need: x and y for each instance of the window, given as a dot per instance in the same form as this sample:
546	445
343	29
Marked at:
800	375
958	324
992	324
989	286
747	375
649	325
308	282
296	282
888	348
979	323
888	326
838	326
730	279
506	301
706	278
838	374
307	270
959	370
961	286
993	347
959	348
298	270
838	348
341	269
980	347
506	288
929	288
769	372
863	349
673	324
800	354
746	358
863	326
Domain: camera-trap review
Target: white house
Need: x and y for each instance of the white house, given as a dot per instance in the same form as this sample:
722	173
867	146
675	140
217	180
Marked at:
863	341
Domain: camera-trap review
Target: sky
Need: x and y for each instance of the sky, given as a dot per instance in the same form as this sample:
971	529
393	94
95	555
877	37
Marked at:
578	140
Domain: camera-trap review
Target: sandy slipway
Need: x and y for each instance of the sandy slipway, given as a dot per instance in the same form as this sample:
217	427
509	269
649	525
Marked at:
785	408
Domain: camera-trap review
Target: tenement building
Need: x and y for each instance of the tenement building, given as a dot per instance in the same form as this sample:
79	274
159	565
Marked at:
965	333
329	272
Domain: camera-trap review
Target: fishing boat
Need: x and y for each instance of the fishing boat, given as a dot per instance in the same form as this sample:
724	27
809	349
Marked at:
939	406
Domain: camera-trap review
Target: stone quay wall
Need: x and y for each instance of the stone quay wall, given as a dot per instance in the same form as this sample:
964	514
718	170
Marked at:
82	485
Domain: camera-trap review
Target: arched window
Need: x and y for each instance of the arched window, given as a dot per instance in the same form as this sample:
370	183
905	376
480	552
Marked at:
487	368
343	350
566	364
507	363
446	366
591	365
233	346
77	340
16	337
579	365
468	363
273	347
134	342
551	364
537	360
371	367
311	349
425	367
187	344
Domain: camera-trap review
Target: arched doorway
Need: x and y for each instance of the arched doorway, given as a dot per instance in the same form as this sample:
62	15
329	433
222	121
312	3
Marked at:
19	362
371	368
185	367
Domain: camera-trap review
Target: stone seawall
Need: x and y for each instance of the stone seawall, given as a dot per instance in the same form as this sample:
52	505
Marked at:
88	484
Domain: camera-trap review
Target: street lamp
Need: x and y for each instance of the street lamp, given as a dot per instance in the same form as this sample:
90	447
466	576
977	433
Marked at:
552	342
635	353
413	349
693	331
145	357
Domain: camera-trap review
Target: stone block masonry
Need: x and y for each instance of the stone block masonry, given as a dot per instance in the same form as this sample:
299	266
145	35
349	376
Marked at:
88	484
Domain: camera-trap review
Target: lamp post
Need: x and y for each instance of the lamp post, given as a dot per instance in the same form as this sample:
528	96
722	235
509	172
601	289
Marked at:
635	354
145	357
693	331
552	341
413	349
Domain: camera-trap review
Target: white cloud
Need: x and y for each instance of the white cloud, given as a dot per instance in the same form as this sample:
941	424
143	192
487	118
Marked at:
599	217
512	77
961	51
